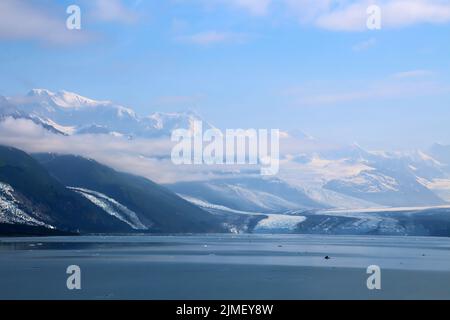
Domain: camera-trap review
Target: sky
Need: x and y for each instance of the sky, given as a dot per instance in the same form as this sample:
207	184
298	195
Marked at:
311	65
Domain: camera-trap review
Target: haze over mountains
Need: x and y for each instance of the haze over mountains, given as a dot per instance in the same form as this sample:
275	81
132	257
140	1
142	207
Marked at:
312	177
73	194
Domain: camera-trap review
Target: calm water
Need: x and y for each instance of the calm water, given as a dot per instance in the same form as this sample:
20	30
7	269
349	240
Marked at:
225	267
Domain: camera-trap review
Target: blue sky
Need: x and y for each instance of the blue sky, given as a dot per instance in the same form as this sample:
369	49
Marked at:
289	64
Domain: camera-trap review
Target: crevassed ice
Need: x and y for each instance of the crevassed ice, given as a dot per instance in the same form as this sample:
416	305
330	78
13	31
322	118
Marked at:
10	211
112	207
274	222
279	221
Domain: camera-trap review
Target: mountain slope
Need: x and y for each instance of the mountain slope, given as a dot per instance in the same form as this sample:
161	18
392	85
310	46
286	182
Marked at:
442	153
247	194
154	206
68	113
31	196
392	180
9	110
344	176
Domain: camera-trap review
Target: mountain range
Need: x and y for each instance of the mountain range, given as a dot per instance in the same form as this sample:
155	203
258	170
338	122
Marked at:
69	113
74	194
98	197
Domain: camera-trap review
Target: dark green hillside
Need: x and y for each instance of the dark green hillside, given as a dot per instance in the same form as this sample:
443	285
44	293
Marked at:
47	200
156	206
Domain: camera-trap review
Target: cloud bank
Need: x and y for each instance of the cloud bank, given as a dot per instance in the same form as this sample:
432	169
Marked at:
350	15
149	158
25	20
45	22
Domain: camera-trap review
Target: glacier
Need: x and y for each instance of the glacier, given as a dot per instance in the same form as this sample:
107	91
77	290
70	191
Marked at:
10	211
112	207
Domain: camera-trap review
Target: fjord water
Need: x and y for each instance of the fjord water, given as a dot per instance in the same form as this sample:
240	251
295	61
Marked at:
225	267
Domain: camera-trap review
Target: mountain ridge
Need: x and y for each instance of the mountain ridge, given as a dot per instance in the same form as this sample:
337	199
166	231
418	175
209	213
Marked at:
69	113
74	194
341	175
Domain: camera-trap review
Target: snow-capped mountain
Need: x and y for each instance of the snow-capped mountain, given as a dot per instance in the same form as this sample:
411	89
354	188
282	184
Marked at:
12	212
70	193
382	178
247	194
339	177
394	190
441	153
112	207
69	113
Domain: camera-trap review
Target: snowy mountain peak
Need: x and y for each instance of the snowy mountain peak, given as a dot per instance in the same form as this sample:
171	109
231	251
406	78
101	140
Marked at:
296	134
64	99
40	93
180	120
69	99
70	113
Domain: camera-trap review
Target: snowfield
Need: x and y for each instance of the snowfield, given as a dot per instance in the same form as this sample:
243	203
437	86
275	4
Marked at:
272	223
112	207
10	211
278	223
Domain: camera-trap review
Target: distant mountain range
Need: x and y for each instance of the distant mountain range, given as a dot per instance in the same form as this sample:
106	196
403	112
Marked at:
248	194
97	198
69	113
392	180
49	194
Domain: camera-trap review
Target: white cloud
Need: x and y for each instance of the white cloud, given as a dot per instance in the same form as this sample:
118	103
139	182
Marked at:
349	18
149	158
345	15
252	7
213	37
23	20
255	7
307	10
408	12
114	11
351	15
143	157
31	20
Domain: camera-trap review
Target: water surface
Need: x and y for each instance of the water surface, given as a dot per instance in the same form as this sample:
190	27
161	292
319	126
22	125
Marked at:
225	267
